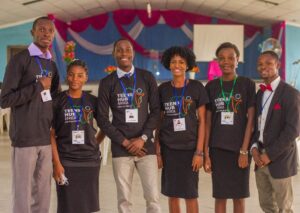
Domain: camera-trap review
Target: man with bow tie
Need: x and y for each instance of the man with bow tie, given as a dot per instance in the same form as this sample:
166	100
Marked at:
132	95
274	148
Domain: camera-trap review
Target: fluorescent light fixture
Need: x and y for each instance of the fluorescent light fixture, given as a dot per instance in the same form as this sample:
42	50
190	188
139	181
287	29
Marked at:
31	2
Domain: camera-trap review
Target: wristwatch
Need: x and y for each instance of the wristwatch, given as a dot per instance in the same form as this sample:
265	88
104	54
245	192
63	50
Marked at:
144	137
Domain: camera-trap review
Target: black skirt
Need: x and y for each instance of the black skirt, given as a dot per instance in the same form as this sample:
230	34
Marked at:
228	180
82	193
178	179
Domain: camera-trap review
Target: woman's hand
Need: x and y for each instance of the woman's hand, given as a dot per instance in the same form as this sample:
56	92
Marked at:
207	164
243	161
159	161
58	170
197	162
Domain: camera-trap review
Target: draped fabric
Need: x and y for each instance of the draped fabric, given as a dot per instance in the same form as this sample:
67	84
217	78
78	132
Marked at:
95	36
173	18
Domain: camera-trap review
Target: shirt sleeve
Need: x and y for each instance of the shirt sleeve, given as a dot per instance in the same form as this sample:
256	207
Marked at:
103	104
154	107
12	94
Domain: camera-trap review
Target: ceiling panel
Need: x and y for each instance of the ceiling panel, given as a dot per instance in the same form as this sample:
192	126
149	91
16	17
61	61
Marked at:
130	3
246	11
110	5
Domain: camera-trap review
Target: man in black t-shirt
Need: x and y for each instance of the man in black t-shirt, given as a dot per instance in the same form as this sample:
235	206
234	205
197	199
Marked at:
130	93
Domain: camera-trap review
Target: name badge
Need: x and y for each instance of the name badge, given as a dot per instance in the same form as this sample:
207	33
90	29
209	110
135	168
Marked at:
77	137
259	122
131	115
179	124
227	118
46	95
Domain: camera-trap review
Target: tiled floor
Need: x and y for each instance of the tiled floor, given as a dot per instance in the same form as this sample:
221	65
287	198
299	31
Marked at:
108	190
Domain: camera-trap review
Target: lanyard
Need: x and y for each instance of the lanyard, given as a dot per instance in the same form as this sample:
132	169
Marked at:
130	99
78	116
44	72
264	104
227	101
176	98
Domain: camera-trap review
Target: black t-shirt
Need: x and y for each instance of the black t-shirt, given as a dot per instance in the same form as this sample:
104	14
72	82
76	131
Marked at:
64	122
194	97
112	96
229	137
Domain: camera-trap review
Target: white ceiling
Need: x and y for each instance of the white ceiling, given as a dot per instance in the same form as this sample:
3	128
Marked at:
244	11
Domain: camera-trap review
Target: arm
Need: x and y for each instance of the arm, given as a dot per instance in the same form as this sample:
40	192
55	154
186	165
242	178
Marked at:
157	144
58	169
207	163
154	106
103	115
11	94
198	157
153	118
243	158
100	137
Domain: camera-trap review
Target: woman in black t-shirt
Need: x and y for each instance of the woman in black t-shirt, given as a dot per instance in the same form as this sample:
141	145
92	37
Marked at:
75	150
180	141
229	125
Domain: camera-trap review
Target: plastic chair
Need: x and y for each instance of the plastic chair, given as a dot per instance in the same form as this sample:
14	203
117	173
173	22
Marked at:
4	116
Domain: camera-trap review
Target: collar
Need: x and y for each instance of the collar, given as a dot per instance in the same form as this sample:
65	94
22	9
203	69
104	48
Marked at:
122	73
274	84
35	51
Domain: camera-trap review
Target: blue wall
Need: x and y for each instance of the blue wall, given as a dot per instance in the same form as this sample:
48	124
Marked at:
16	35
20	35
293	54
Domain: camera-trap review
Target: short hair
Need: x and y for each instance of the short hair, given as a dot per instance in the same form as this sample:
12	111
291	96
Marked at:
38	19
77	62
226	45
121	39
183	52
271	53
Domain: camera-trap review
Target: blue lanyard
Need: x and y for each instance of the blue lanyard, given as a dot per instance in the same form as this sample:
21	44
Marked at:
264	104
176	98
130	99
44	72
78	116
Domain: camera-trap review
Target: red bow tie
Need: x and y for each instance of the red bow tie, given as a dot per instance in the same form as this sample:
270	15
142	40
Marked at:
265	87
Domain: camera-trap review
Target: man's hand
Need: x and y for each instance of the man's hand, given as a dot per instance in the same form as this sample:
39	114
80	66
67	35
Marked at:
46	82
136	144
265	159
257	157
125	143
141	153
